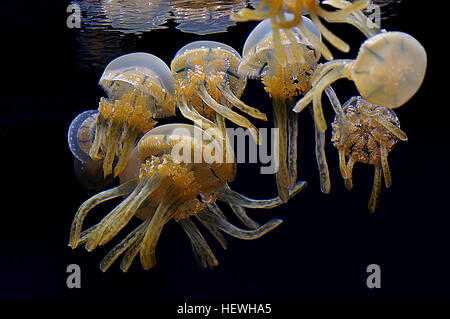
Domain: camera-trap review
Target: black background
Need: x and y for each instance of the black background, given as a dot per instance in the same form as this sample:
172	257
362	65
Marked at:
322	249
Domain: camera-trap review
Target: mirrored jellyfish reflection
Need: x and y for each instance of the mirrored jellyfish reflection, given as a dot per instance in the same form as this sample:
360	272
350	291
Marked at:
372	132
80	138
346	12
205	17
284	82
388	70
140	89
165	179
208	86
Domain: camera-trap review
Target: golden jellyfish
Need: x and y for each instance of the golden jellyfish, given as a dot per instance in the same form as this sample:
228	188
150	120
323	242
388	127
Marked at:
176	173
139	89
372	132
208	86
346	12
284	82
388	70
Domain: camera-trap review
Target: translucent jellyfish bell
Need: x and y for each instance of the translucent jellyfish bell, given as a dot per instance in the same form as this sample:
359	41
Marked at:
209	86
81	134
161	187
145	73
259	56
80	138
140	88
388	70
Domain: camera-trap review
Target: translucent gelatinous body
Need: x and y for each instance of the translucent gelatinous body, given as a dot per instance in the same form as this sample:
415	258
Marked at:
164	180
81	134
372	132
208	85
283	80
140	88
389	69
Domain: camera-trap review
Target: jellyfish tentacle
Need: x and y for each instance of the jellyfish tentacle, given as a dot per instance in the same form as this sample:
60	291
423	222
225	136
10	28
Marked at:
376	189
232	197
133	250
128	144
122	219
345	10
119	217
392	128
197	118
113	136
349	180
236	232
292	148
87	206
101	127
315	41
385	165
329	78
327	34
212	228
243	217
355	18
281	152
228	114
166	209
325	184
203	253
228	94
108	260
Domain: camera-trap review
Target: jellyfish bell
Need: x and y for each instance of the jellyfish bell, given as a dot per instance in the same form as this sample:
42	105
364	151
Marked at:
140	89
371	133
389	68
259	55
146	74
81	134
80	138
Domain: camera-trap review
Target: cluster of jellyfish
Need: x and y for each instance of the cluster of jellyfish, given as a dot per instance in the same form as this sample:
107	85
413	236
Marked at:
122	138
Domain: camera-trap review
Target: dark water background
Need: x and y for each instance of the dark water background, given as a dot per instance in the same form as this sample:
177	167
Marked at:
50	74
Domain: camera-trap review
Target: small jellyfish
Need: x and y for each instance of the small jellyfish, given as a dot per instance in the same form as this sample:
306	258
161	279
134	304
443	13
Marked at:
372	132
283	82
388	70
208	86
140	88
347	12
165	180
80	138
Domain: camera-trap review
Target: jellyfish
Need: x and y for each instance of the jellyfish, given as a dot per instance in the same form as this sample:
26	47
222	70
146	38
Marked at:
80	137
372	132
208	86
284	83
175	173
347	12
388	71
139	89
